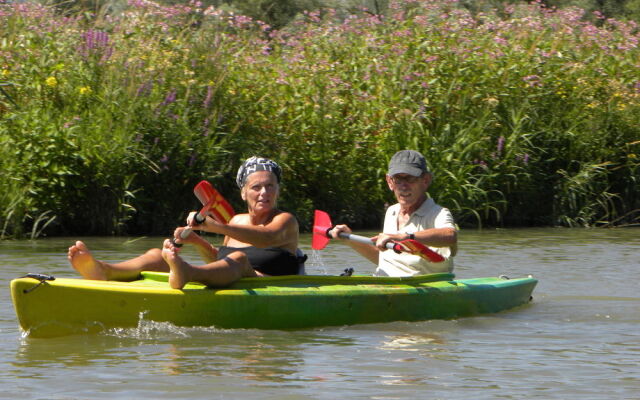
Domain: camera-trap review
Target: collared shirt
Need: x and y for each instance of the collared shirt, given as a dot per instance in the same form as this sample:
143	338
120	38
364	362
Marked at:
428	215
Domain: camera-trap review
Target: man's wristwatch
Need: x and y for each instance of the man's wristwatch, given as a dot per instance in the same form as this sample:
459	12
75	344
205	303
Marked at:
412	236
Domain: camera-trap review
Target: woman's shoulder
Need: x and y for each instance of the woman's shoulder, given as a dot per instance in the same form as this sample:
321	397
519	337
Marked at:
285	214
282	217
239	218
288	218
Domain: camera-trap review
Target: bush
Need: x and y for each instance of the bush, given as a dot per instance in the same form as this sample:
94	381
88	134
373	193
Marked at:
109	120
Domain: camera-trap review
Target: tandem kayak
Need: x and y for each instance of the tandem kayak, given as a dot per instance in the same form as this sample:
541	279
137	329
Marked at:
48	306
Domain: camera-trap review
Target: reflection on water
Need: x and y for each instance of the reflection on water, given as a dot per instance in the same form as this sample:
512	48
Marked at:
252	355
578	339
411	342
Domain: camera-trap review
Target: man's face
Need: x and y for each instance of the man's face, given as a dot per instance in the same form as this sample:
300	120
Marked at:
409	189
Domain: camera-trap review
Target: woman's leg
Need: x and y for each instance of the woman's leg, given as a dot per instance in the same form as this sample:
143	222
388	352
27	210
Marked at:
90	268
218	273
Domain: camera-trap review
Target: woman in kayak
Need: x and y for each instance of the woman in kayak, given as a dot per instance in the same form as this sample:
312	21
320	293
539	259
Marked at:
261	242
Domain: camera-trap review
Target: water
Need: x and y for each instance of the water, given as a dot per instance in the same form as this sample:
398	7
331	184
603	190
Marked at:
578	339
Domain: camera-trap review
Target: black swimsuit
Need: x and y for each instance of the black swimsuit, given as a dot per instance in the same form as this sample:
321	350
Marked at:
270	261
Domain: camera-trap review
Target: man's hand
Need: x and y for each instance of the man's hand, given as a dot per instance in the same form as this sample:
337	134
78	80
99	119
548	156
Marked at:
336	230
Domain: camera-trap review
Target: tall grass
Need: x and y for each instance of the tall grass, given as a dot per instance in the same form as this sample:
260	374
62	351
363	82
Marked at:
527	116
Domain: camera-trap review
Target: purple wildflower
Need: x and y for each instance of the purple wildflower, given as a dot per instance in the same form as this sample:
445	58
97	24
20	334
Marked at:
500	146
422	111
96	43
207	99
170	98
205	127
144	89
533	80
481	163
524	158
501	40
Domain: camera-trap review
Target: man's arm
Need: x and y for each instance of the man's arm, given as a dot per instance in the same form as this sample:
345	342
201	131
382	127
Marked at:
370	252
434	237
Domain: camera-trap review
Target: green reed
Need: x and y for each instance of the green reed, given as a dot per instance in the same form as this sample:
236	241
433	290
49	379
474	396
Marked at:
527	116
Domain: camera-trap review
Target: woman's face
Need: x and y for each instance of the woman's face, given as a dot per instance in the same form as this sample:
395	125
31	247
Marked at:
261	191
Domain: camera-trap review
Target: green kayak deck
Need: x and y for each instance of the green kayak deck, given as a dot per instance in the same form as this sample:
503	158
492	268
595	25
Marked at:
64	306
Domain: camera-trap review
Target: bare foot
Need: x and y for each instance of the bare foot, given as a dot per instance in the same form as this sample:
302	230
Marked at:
178	268
82	260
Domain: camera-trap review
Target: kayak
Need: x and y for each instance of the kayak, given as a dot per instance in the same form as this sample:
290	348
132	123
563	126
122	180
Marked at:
47	306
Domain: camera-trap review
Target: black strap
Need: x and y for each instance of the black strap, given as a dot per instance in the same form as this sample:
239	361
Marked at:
41	278
347	272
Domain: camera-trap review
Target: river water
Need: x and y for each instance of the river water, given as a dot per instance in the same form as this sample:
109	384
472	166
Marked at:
578	339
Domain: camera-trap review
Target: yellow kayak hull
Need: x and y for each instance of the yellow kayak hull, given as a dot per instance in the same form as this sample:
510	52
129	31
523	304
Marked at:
65	306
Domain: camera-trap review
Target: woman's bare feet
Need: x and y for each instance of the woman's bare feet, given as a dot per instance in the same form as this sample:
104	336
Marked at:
83	261
178	269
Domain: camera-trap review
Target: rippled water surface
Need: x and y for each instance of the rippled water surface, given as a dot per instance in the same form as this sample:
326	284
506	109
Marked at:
578	339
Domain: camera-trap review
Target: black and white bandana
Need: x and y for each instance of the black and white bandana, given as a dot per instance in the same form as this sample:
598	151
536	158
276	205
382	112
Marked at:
255	164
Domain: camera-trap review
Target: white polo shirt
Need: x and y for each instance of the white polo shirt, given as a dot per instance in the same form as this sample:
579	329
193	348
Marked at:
429	215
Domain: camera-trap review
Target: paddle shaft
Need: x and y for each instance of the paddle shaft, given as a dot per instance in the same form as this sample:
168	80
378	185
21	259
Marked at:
199	218
322	227
365	240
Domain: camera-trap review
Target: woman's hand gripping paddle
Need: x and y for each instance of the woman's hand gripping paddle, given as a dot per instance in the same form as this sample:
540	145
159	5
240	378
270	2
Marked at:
213	204
322	225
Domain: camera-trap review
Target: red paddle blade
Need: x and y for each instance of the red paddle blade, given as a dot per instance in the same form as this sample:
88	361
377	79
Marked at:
417	248
321	224
219	208
204	191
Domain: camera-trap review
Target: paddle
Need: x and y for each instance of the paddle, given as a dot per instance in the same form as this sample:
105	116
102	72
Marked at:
213	204
220	209
322	225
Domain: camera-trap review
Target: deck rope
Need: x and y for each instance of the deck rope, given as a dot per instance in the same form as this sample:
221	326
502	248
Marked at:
41	278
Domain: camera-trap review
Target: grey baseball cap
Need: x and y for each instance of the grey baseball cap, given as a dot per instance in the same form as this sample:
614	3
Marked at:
408	162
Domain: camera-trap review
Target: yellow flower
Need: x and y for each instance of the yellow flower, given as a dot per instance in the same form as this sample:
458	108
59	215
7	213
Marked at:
84	90
491	101
51	81
338	100
5	73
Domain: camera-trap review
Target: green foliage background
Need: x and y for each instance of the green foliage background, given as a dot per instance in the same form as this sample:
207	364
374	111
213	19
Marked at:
528	115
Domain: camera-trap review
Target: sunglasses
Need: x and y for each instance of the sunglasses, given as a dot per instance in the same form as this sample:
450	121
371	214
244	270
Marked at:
405	179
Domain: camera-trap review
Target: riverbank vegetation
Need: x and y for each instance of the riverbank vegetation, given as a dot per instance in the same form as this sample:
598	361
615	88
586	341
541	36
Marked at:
527	115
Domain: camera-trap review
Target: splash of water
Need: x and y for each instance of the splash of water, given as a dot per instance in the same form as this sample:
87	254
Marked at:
316	264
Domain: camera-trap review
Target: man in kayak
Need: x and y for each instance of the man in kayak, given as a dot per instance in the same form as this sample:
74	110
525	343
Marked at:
415	216
261	242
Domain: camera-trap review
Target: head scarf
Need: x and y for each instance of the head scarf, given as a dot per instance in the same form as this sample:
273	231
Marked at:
255	164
